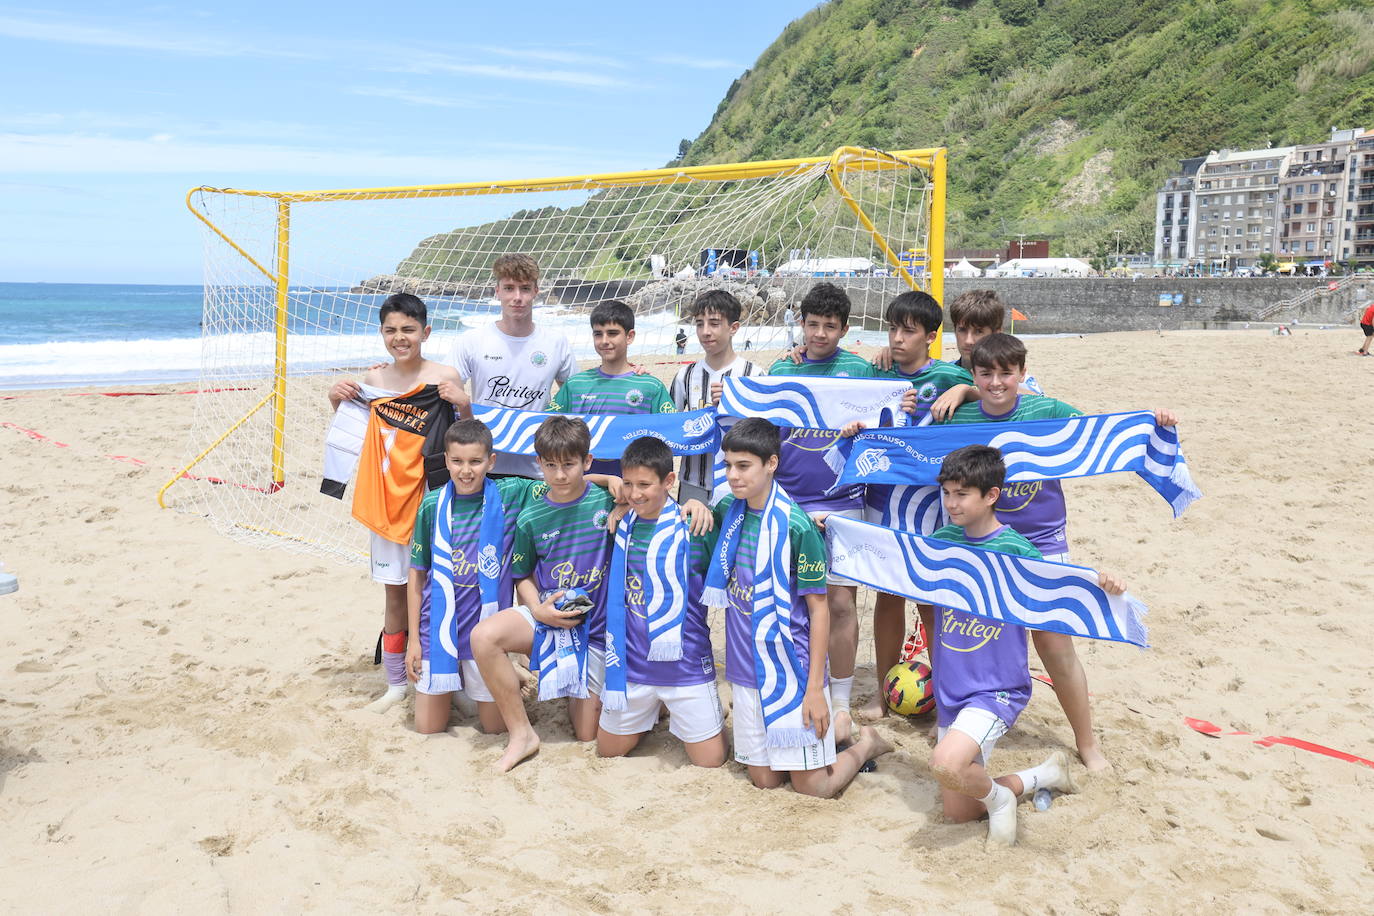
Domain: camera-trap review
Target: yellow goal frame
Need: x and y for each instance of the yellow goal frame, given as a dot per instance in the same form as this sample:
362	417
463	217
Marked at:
845	159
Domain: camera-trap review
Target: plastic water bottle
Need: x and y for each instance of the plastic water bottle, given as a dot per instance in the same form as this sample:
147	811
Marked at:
1043	799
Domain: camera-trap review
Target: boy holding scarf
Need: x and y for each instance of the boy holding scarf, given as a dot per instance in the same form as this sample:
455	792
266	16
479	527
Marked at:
768	570
658	642
458	575
1036	510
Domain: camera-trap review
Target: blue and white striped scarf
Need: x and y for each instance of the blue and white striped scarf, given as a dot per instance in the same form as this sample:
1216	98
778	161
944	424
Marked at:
1033	450
806	402
1029	593
693	432
777	670
560	659
443	673
665	589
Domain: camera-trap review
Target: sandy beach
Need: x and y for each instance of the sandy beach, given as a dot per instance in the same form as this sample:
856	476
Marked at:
180	721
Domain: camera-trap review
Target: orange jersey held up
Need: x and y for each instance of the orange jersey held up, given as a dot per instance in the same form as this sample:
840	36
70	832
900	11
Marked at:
402	457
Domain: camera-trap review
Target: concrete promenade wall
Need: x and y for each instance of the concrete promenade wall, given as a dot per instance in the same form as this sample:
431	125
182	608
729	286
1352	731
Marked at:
1082	306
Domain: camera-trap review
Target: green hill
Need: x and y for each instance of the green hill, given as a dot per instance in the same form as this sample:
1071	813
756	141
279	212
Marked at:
1062	117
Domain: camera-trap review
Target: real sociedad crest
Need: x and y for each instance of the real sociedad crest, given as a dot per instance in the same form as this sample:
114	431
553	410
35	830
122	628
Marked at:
488	565
698	426
871	461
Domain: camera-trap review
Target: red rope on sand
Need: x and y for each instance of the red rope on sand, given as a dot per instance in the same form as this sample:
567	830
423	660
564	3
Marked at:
1202	726
33	434
121	394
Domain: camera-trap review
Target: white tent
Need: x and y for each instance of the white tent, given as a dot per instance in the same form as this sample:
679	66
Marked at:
1042	267
963	269
824	267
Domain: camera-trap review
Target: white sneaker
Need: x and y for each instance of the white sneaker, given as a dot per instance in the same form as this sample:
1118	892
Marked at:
9	583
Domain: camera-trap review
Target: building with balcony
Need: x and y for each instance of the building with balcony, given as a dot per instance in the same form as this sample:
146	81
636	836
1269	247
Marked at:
1236	205
1361	194
1173	216
1317	203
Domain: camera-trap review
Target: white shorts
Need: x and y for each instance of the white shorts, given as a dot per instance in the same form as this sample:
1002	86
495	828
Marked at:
473	685
390	561
857	515
751	741
984	727
1057	557
694	712
596	658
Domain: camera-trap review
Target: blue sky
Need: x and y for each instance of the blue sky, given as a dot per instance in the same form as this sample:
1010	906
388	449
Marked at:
112	113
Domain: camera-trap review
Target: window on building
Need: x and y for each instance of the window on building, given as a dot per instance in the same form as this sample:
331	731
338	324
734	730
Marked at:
1311	246
1226	214
1297	191
1297	208
1269	198
1331	187
1314	188
1304	155
1330	228
1273	179
1295	227
1311	227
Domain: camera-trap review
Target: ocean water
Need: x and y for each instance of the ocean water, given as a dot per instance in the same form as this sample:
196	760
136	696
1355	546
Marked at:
57	335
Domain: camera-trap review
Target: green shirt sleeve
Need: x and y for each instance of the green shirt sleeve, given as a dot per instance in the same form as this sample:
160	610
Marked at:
421	548
522	551
663	400
559	404
809	558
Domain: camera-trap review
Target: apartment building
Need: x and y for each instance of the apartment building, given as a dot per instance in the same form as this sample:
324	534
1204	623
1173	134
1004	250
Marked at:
1173	215
1317	200
1361	196
1237	196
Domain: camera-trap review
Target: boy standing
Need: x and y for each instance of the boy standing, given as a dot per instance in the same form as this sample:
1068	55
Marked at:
401	457
806	477
982	682
613	387
716	314
464	532
658	642
768	572
913	320
1036	510
511	363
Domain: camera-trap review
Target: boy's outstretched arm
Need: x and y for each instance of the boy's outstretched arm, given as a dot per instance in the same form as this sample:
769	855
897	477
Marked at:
815	712
700	519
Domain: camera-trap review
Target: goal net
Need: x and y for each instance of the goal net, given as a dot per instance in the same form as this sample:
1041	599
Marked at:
293	281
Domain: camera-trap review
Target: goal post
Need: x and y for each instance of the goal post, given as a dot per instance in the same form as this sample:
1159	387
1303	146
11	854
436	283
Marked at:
293	280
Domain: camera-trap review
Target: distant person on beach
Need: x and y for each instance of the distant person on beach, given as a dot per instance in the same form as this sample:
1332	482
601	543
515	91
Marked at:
1367	326
789	321
406	404
681	341
614	387
716	314
512	362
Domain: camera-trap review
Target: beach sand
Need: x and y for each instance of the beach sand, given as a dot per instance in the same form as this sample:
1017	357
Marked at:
180	726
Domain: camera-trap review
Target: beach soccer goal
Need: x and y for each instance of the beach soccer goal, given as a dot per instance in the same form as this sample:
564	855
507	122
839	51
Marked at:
293	281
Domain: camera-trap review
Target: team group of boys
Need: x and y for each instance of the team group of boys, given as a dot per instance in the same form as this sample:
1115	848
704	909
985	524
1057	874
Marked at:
613	531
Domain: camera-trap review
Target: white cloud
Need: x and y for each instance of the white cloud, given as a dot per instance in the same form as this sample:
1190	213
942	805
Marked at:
150	38
698	63
414	98
555	56
428	62
204	161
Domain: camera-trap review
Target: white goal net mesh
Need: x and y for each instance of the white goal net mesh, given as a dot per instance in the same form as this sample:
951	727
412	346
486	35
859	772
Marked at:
293	283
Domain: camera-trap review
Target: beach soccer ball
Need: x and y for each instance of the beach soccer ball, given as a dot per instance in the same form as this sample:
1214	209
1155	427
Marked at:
909	689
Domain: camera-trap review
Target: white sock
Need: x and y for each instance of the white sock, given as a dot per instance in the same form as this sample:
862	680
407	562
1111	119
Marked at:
840	689
1039	775
1001	805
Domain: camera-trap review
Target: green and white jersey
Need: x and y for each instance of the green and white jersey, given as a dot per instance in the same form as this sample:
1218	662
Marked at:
595	393
930	381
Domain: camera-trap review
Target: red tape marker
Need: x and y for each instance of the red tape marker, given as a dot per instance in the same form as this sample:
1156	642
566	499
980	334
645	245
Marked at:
1202	726
33	434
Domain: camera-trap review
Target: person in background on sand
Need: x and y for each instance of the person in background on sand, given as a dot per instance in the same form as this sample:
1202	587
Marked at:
1367	326
982	682
511	363
716	314
789	321
387	480
681	341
